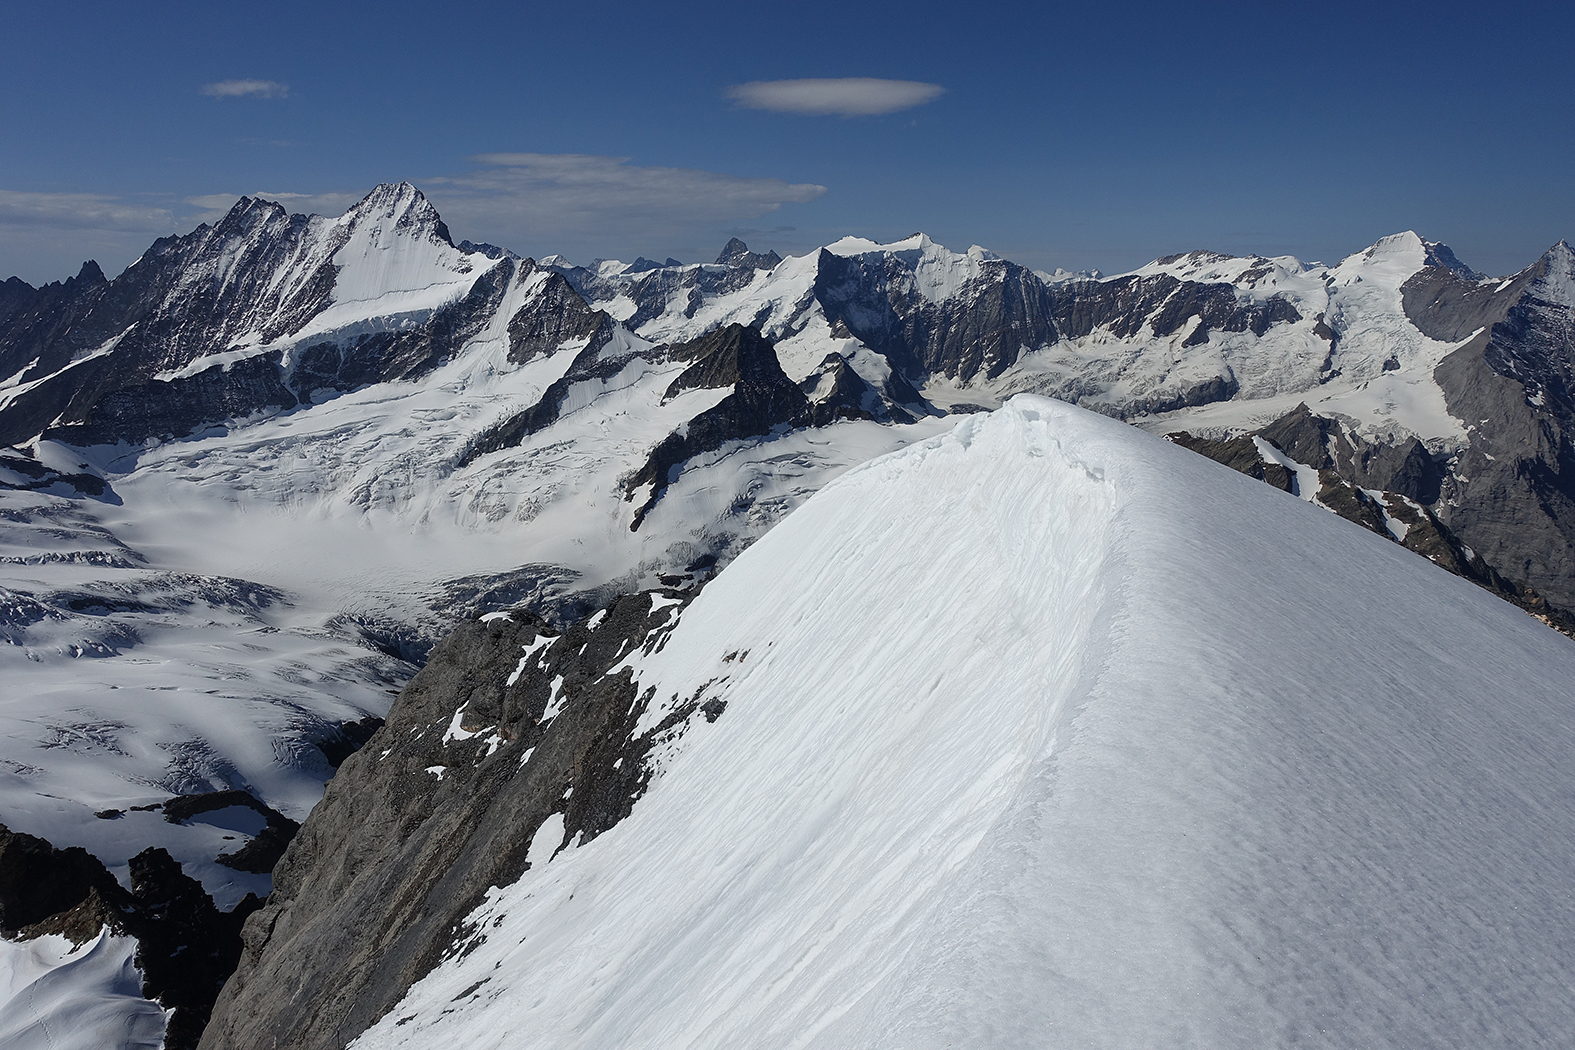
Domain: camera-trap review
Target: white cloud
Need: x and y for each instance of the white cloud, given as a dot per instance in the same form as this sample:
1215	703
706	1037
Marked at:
604	186
45	236
81	211
577	204
564	200
242	88
840	96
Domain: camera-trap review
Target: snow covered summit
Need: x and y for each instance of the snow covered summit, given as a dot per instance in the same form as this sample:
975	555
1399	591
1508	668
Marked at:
1041	732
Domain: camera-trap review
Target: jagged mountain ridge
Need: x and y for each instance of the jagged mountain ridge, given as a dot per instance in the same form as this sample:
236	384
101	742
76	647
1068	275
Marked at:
275	334
261	287
321	440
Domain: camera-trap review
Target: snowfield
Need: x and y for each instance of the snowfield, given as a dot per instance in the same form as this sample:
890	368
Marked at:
54	996
1046	733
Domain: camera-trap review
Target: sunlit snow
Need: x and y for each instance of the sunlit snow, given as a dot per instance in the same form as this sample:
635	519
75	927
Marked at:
1053	734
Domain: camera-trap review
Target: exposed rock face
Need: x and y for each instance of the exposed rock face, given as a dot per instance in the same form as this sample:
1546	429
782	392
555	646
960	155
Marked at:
1348	472
1511	494
836	391
763	397
511	723
724	358
982	331
38	882
1166	304
557	314
737	253
1240	454
186	948
1322	443
1447	306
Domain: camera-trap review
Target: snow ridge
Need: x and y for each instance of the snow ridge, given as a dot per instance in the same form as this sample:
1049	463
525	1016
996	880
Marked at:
1004	760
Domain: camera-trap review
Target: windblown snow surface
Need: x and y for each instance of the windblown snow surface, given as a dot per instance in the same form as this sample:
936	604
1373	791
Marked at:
1045	733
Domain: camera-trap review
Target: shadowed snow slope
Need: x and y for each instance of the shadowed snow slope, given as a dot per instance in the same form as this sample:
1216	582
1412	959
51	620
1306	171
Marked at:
1047	733
54	996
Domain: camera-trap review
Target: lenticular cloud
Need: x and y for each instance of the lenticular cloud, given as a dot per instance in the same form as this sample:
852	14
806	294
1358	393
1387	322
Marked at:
840	96
243	88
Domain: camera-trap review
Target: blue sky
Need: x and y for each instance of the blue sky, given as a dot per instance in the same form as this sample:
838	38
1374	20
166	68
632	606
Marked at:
1074	135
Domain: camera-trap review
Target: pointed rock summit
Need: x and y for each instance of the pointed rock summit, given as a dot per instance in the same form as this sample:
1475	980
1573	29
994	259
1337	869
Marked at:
406	205
737	253
1439	254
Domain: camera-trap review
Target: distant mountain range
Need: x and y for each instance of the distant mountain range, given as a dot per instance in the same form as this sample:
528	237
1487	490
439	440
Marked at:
250	482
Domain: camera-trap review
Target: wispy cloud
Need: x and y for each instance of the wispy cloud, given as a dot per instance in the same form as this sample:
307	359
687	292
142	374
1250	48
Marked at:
46	236
838	96
244	88
572	199
578	204
81	211
607	186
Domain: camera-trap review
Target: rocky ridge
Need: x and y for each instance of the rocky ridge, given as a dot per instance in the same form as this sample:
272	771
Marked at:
516	740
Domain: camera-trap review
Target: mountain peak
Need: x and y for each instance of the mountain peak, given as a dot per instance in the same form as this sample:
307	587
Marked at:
1412	248
736	253
393	194
405	204
1199	257
1557	283
249	208
1439	254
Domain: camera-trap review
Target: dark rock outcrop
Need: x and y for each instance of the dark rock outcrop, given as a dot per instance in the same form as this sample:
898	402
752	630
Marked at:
32	476
838	392
555	314
723	358
1004	312
1239	454
39	882
265	848
763	399
186	947
737	253
1406	467
509	723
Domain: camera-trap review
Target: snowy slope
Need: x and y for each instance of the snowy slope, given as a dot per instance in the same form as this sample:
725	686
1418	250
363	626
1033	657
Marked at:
202	628
1352	352
56	996
252	573
1046	733
1349	349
